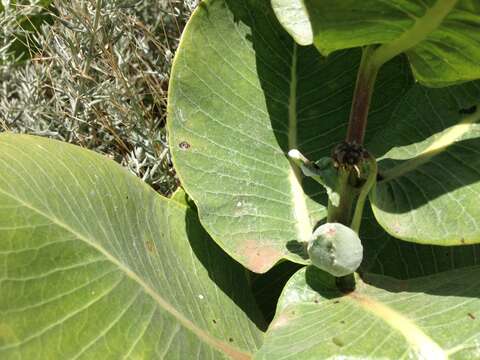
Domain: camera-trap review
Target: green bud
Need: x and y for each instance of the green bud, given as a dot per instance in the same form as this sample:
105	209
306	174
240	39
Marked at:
336	249
323	171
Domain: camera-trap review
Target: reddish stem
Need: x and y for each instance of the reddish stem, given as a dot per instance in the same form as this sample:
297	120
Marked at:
367	74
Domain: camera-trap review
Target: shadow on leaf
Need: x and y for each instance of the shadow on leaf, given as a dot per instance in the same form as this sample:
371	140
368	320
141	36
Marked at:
215	261
386	255
430	176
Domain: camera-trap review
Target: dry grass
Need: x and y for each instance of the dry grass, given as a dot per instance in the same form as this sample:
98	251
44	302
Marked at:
97	77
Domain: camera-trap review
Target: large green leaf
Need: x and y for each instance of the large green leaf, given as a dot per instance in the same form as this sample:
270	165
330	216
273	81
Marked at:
430	163
241	95
440	37
386	255
433	317
94	264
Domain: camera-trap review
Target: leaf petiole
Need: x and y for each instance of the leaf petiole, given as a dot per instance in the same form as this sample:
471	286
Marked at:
365	190
367	74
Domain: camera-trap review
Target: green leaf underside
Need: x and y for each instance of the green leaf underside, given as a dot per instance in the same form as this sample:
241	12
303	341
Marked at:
434	317
449	54
241	95
386	255
430	162
94	264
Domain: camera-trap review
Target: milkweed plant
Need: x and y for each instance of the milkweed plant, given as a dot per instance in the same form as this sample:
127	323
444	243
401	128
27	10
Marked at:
329	204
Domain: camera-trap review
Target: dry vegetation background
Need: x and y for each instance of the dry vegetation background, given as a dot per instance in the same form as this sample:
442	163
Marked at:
93	73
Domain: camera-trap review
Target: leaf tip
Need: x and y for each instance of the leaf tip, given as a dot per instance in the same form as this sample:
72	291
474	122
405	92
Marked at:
259	258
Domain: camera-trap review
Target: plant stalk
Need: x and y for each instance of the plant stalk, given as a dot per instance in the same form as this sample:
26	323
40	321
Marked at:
342	213
346	284
367	74
362	96
422	27
372	60
362	197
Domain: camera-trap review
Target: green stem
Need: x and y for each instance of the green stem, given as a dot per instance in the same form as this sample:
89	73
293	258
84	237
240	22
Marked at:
362	197
346	284
367	74
341	213
374	58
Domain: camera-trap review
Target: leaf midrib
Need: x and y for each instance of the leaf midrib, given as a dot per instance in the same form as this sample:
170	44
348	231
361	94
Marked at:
300	209
446	139
424	346
422	27
200	333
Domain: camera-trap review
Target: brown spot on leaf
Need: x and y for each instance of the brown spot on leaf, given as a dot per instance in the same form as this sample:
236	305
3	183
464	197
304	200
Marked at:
150	245
280	321
471	316
259	258
184	145
397	228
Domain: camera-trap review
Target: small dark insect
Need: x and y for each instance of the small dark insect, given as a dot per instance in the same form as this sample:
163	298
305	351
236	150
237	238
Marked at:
471	316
